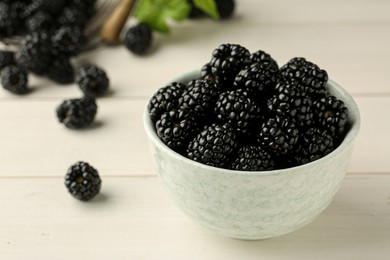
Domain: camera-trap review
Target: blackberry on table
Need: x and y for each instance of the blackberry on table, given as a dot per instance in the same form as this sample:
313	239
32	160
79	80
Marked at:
82	181
67	40
61	70
77	113
213	145
175	128
227	60
313	144
225	8
138	39
238	109
14	79
331	114
252	158
6	58
279	135
306	74
92	80
165	99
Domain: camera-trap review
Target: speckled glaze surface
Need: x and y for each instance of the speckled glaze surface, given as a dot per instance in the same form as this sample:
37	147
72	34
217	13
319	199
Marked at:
253	205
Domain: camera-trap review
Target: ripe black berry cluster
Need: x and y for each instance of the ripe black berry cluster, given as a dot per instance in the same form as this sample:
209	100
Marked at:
245	112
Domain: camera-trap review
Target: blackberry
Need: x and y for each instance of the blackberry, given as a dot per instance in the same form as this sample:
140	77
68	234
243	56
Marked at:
92	80
313	144
195	12
200	97
72	16
165	99
14	79
227	60
68	40
138	39
279	135
259	78
34	53
213	146
38	22
175	128
262	57
53	6
252	158
77	113
7	20
291	101
307	74
331	114
206	73
238	109
6	58
82	181
225	8
61	70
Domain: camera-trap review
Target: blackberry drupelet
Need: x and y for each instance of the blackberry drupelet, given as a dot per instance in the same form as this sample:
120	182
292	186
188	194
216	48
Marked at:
61	70
313	144
279	135
331	114
67	41
225	8
262	57
252	158
213	146
138	39
176	127
306	74
82	181
291	101
227	60
258	79
206	73
34	53
6	58
77	113
14	79
238	109
165	99
92	80
200	97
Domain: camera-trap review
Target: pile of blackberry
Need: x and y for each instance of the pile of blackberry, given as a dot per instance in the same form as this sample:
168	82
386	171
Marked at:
245	112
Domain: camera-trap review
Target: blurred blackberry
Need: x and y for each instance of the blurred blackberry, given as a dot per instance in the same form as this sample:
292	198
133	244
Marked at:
77	113
38	22
175	128
213	145
291	101
52	7
262	57
279	135
165	99
6	58
67	40
238	109
8	20
83	181
307	74
34	53
195	12
225	8
313	144
87	7
14	79
72	17
227	60
331	114
92	80
200	96
138	39
258	79
252	158
61	70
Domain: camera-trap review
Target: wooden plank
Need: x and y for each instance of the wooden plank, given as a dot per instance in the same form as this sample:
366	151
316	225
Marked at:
134	219
33	143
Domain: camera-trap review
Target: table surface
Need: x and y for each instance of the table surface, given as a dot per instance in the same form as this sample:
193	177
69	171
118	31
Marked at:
133	218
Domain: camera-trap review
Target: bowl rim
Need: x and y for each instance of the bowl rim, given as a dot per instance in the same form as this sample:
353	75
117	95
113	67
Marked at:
335	89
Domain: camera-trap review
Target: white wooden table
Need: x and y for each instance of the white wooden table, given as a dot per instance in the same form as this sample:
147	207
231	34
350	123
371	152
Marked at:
133	218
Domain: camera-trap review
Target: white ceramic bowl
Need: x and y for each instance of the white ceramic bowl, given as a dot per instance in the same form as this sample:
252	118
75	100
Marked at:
254	205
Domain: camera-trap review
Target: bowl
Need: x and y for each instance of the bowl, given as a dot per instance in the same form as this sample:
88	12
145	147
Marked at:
254	205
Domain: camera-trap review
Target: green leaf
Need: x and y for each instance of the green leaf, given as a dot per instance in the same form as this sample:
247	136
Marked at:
157	13
208	6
